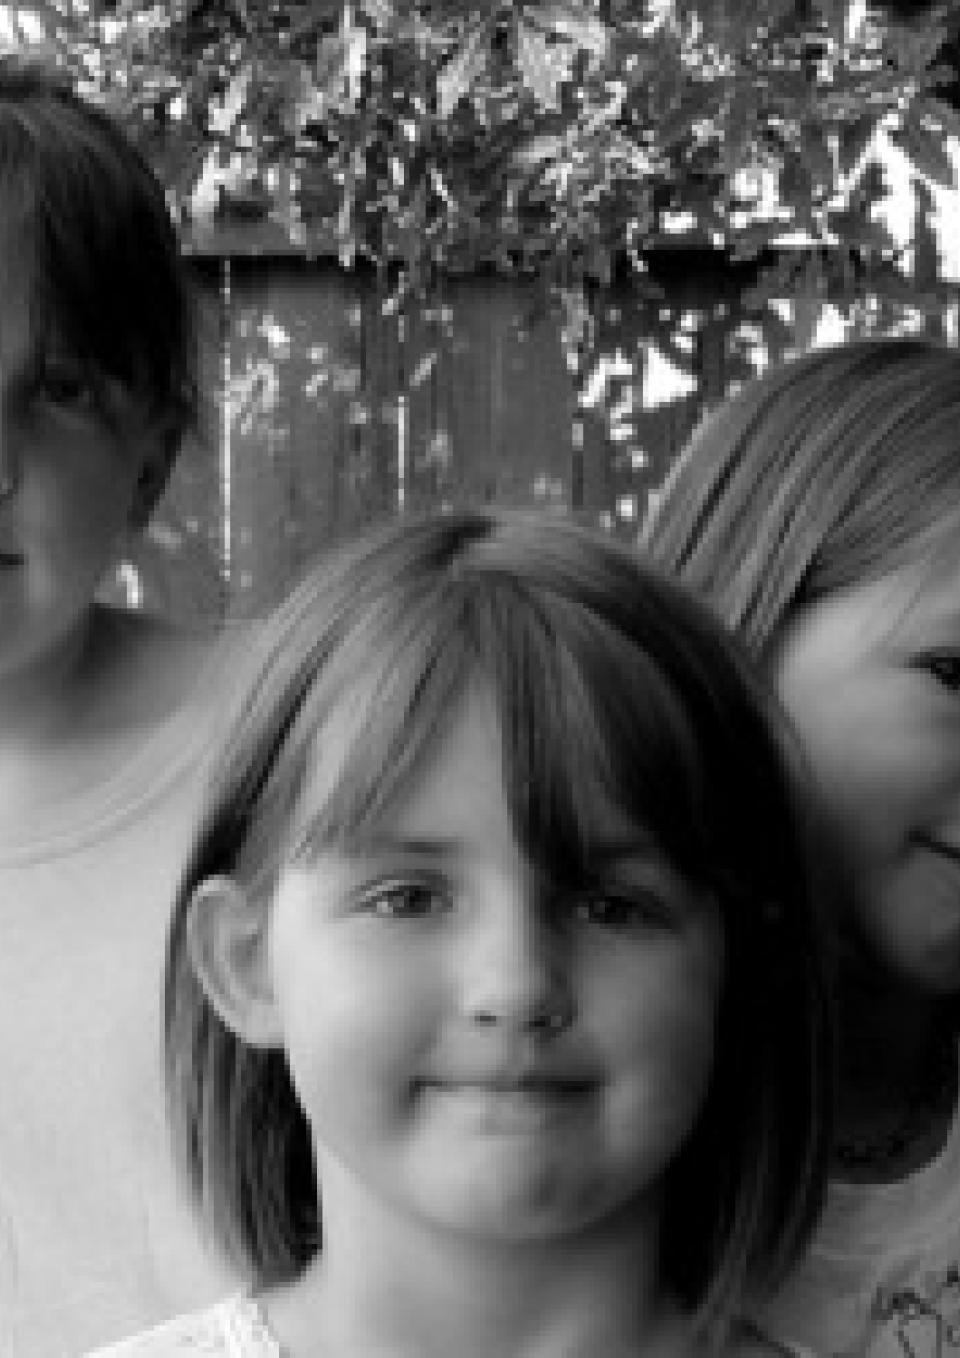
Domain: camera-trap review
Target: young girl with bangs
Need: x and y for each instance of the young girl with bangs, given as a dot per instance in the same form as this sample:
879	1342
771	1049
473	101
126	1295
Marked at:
496	1014
818	512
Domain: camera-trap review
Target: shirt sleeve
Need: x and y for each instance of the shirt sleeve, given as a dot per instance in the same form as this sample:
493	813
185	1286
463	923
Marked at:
201	1335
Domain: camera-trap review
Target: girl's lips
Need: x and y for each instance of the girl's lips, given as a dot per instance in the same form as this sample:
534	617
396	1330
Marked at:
523	1107
524	1086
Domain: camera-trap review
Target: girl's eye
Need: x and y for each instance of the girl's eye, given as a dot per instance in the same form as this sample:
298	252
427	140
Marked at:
67	389
944	667
404	900
622	909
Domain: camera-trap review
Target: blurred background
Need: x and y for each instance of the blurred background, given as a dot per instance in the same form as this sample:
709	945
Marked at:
471	252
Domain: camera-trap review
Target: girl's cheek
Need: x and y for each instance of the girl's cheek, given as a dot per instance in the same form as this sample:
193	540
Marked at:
349	1007
691	1039
665	1008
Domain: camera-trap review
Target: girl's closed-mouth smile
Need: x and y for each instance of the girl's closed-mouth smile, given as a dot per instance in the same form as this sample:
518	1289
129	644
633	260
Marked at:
513	1095
499	1105
497	1085
528	1074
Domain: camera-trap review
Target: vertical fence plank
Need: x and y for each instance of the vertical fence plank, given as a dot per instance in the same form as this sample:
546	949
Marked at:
502	397
303	434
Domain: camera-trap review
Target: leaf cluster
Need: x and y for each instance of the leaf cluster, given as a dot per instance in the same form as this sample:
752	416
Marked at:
556	136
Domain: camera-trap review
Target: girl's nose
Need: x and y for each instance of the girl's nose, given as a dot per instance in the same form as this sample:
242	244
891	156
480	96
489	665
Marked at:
517	968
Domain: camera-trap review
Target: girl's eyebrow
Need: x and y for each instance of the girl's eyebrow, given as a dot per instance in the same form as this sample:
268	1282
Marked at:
33	364
944	613
938	628
638	843
22	365
639	849
395	844
603	848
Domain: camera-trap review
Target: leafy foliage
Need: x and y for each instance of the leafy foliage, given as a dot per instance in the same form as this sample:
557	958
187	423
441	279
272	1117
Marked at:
548	135
568	139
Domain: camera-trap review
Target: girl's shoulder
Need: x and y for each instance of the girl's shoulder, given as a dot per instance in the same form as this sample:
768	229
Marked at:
231	1329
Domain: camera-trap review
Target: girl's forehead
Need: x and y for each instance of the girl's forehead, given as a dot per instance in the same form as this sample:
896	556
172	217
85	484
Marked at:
27	323
455	769
931	583
920	593
355	739
930	557
28	302
18	330
19	233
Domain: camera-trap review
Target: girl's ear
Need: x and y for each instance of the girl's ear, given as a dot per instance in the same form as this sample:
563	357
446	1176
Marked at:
227	940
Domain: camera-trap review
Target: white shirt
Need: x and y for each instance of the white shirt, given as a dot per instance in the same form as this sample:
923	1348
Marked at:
882	1277
231	1329
235	1328
97	1239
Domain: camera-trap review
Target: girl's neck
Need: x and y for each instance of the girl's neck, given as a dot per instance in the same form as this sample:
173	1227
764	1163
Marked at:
38	698
895	1053
387	1283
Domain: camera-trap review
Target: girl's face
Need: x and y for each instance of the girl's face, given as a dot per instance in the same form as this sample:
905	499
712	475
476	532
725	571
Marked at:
871	677
471	1053
67	486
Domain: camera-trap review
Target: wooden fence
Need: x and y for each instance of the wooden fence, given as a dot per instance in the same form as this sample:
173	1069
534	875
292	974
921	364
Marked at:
328	408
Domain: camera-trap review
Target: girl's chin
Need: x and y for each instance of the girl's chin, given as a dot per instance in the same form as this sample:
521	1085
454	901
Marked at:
932	973
872	962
